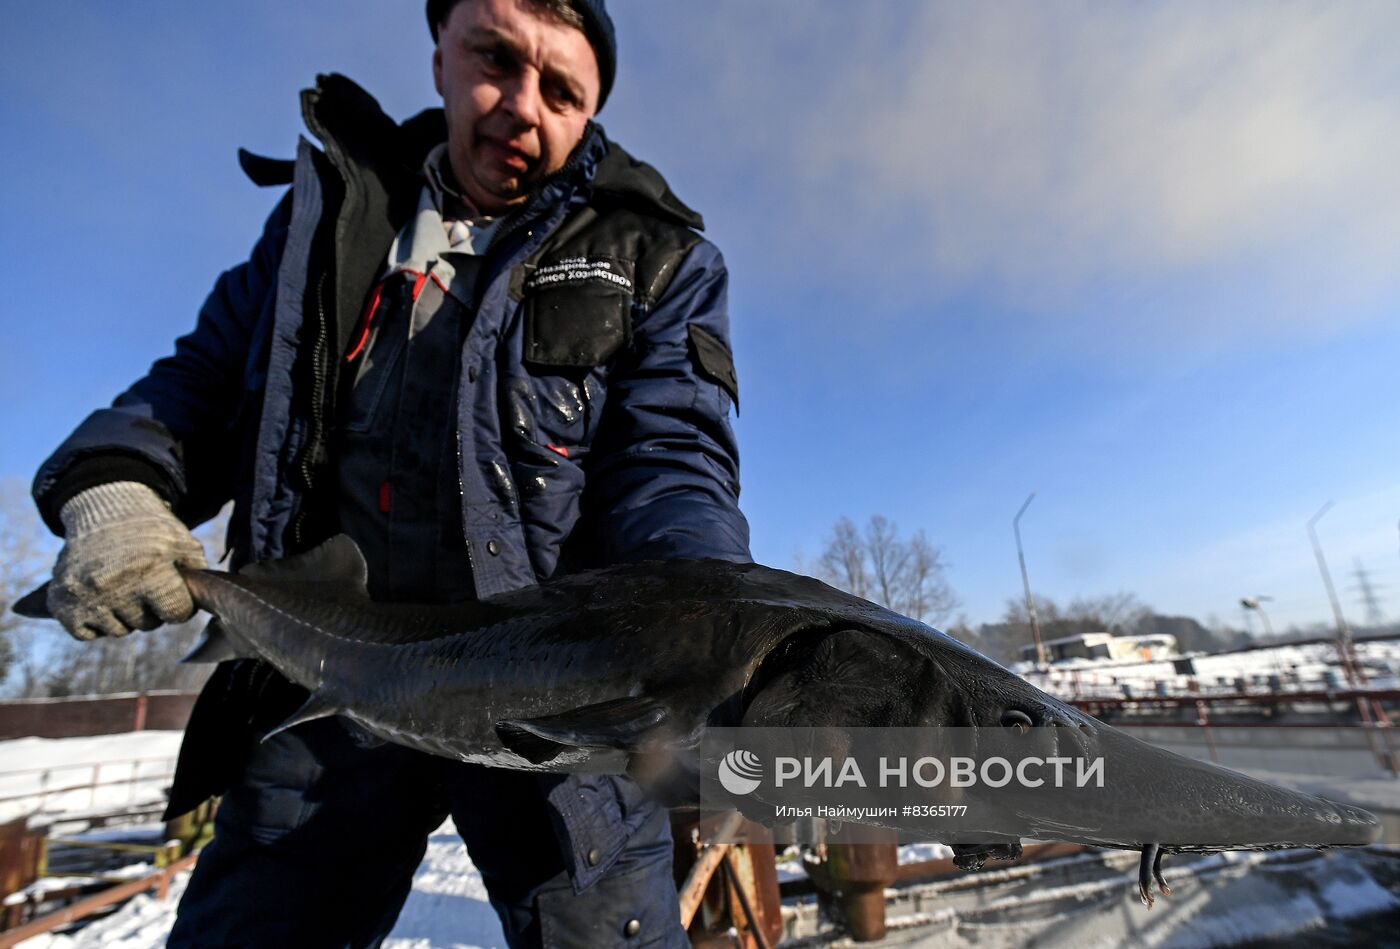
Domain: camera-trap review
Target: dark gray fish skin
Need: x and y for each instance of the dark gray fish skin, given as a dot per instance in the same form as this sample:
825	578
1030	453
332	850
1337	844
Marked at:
441	678
594	670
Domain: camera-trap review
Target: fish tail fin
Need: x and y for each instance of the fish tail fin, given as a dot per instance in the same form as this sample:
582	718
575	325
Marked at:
34	604
219	644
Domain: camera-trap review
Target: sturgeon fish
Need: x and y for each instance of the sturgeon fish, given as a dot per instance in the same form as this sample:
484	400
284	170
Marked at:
615	668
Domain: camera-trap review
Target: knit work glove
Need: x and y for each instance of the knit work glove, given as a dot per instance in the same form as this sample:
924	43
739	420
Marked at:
116	571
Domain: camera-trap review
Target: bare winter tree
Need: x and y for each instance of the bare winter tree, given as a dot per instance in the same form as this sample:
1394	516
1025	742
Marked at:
26	553
906	575
1114	612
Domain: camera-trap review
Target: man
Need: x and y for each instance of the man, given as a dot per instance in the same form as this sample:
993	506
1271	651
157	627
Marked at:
491	347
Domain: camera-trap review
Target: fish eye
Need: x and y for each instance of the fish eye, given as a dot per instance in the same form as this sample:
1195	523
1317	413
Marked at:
1015	718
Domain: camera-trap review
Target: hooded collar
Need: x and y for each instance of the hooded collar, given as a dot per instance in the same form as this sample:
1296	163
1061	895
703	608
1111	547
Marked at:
351	125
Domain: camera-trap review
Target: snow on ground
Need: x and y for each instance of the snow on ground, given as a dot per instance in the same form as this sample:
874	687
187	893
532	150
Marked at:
31	768
789	863
447	909
916	853
142	923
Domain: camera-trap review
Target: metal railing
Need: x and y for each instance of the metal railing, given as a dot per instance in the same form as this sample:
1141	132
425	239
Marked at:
159	881
101	775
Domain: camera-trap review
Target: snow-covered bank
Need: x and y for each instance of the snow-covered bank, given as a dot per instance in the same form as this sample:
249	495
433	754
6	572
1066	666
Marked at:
1220	900
447	909
1087	900
1277	668
133	768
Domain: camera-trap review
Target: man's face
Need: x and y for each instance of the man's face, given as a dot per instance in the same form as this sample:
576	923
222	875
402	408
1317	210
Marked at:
519	88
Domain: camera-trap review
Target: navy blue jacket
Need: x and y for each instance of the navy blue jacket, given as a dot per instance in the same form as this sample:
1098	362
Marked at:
596	378
633	383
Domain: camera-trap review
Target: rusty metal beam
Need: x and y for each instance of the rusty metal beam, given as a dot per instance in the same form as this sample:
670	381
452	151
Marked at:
692	892
159	881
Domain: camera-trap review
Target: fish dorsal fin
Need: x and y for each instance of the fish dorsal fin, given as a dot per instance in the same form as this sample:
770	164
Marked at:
619	723
336	570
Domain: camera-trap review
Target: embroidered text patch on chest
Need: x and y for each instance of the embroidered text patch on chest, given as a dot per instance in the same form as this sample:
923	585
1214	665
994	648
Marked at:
572	271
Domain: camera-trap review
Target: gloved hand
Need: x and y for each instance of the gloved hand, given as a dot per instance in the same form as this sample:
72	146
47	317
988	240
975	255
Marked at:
116	571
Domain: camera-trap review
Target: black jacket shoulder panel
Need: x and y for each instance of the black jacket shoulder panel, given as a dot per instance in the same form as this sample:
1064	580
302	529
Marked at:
622	179
632	219
647	249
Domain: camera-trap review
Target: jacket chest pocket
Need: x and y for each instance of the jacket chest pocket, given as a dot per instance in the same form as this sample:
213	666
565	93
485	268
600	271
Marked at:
578	312
577	318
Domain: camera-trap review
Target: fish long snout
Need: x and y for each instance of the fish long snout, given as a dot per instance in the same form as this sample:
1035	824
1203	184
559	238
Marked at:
1148	795
1151	795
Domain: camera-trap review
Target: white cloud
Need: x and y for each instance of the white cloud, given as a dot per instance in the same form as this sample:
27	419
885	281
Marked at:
1220	168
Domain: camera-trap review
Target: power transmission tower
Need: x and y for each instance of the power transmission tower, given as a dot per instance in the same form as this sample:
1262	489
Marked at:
1367	591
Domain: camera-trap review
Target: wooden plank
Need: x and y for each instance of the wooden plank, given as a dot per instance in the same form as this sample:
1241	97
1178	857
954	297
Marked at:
160	881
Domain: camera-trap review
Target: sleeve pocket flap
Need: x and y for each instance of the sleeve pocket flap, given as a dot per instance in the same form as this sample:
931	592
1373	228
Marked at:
715	361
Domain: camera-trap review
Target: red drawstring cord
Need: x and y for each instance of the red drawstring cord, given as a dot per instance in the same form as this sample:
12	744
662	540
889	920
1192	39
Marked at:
367	320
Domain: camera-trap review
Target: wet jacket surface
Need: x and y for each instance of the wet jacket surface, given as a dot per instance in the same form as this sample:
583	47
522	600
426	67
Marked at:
592	410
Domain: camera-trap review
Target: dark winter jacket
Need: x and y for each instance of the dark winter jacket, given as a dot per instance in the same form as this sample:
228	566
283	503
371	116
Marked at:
596	377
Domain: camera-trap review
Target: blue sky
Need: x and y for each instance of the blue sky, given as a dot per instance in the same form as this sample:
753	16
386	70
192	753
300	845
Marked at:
1139	258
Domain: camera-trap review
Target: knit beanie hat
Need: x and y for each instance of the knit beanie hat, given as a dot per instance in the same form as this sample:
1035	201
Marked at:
597	26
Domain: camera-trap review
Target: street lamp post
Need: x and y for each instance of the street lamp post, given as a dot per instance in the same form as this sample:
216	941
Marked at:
1343	630
1373	713
1256	603
1026	584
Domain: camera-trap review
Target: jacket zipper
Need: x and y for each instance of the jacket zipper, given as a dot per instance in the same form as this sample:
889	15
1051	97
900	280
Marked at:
314	450
462	494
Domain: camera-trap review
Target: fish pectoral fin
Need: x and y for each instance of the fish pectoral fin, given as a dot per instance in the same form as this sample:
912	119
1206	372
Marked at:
217	645
620	723
334	570
315	707
528	745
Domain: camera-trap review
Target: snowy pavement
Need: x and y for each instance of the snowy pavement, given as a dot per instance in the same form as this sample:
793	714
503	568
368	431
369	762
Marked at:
448	907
